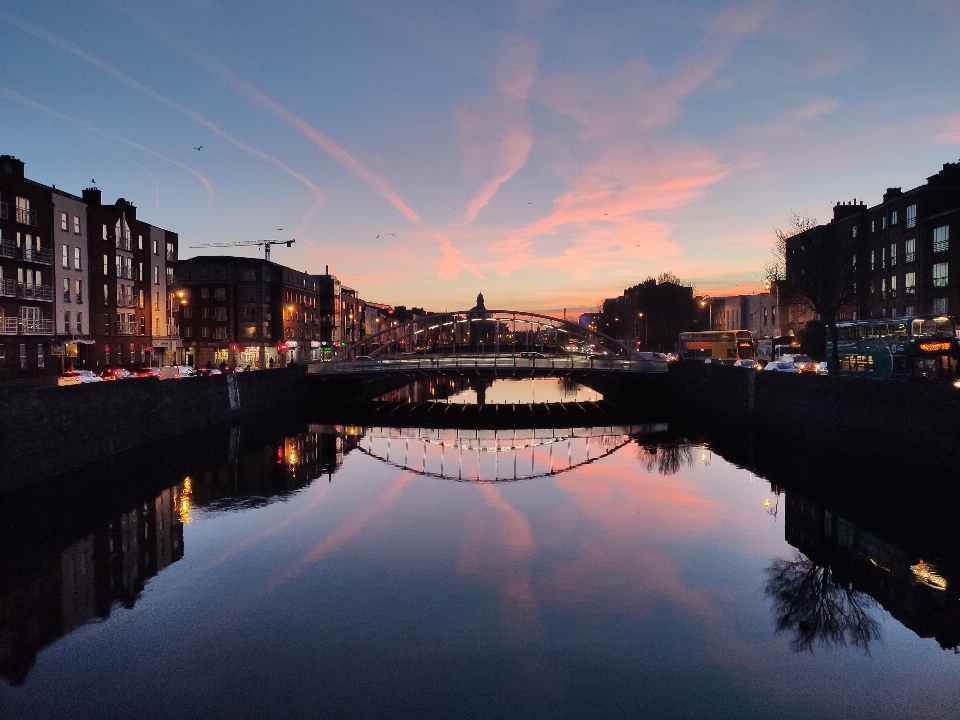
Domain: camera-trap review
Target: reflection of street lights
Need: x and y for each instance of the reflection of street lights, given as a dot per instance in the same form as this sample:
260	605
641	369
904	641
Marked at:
703	303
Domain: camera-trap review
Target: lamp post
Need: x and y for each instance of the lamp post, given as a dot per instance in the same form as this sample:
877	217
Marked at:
703	303
646	334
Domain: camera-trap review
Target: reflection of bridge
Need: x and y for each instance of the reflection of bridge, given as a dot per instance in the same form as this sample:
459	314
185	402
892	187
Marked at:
497	341
496	455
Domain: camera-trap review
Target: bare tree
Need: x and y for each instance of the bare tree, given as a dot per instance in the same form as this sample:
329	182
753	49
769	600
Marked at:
668	276
816	608
775	270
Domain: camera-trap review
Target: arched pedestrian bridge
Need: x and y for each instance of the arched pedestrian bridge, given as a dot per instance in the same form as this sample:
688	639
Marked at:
498	456
496	342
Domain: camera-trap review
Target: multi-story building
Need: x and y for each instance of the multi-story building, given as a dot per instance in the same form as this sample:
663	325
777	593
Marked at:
352	316
26	271
71	280
301	315
903	250
330	308
132	268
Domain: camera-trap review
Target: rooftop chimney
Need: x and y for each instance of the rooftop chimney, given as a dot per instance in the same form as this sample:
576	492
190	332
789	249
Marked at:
91	196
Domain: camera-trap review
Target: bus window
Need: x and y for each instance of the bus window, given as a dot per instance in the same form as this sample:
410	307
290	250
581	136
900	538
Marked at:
941	326
898	330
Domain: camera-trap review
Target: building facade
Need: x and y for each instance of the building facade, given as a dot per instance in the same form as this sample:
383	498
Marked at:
27	311
130	278
905	254
71	282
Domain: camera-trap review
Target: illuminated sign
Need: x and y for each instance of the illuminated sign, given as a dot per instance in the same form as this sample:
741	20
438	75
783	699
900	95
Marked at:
935	347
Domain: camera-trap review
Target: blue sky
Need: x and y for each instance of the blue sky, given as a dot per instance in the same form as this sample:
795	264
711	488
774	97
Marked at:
547	153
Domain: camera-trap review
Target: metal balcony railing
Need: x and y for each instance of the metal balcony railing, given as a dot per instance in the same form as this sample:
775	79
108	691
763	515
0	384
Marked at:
127	328
30	253
8	249
26	217
35	292
171	279
123	243
172	256
8	325
127	300
8	288
127	273
36	327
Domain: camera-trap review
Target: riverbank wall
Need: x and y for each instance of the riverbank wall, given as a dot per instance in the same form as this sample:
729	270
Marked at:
47	430
907	423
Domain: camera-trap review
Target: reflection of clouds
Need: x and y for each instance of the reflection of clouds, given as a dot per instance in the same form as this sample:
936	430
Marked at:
498	549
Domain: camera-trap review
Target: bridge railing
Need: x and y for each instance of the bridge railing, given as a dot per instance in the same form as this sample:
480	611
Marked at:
569	362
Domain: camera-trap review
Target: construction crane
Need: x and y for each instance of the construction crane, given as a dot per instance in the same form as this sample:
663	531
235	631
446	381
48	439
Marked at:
265	243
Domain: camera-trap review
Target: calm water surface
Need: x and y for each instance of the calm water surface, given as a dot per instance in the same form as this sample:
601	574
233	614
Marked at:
377	572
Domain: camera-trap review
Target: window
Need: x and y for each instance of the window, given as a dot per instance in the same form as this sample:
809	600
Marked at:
939	305
883	223
220	333
883	257
66	289
249	331
911	216
105	232
79	322
893	287
940	274
77	265
205	313
908	310
140	300
249	313
873	254
910	250
893	255
187	312
883	289
220	294
140	271
23	356
249	275
154	246
873	226
40	360
106	294
156	275
139	242
64	221
204	293
156	326
143	325
853	263
65	256
765	316
854	230
78	286
205	332
156	301
893	218
188	331
76	224
220	313
941	238
106	265
66	321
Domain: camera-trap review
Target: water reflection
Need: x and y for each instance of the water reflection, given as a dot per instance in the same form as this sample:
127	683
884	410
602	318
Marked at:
490	391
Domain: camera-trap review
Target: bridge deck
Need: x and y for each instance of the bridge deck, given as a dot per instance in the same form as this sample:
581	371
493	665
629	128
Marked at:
507	363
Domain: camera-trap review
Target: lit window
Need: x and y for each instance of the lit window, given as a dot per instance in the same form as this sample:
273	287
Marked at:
911	216
66	290
76	224
76	259
940	274
65	256
910	250
64	221
893	255
941	238
893	218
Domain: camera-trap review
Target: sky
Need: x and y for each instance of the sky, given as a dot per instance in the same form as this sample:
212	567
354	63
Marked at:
548	153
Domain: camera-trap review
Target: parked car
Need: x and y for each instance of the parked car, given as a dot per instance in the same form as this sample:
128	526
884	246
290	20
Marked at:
78	377
822	368
116	374
148	372
804	363
781	366
185	371
532	355
748	363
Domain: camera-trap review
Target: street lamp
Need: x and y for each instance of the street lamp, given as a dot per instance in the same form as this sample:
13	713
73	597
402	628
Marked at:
703	303
646	334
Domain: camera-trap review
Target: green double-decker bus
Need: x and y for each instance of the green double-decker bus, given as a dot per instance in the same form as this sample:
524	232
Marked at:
922	346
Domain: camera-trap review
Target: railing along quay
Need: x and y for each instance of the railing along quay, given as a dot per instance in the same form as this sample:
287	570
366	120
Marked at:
374	365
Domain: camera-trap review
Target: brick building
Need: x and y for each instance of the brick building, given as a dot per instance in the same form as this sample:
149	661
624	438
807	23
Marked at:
902	250
71	282
132	268
26	271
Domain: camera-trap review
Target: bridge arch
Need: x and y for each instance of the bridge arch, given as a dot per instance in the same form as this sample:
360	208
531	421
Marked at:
485	332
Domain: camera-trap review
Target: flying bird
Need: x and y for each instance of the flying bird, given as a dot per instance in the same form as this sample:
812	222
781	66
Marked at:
378	237
93	181
279	228
392	234
529	203
198	148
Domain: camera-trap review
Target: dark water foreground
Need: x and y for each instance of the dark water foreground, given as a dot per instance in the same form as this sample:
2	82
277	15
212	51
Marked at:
288	567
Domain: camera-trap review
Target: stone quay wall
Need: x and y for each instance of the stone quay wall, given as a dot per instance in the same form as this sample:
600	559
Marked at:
46	430
907	422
